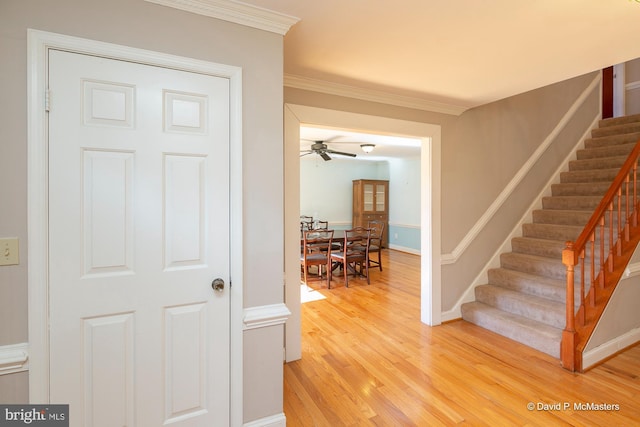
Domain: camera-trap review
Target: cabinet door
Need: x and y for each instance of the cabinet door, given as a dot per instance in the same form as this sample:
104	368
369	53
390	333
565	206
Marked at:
368	197
381	197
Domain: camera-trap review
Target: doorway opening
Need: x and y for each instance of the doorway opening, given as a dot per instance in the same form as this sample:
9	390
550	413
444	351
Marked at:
429	135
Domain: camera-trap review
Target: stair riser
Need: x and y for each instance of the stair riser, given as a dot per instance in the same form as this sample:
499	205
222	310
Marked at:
585	176
527	336
597	189
529	285
495	297
541	247
615	130
549	267
560	217
617	121
548	218
604	152
576	203
551	231
553	252
580	189
612	140
594	164
553	268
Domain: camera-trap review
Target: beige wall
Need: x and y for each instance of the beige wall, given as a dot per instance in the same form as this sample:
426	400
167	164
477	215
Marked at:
144	25
620	322
474	171
632	95
489	145
482	149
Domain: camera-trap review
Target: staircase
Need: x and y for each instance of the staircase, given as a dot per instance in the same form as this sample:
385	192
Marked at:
525	298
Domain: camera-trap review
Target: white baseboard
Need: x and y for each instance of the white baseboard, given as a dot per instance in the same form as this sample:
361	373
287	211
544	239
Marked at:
278	420
405	249
14	358
603	351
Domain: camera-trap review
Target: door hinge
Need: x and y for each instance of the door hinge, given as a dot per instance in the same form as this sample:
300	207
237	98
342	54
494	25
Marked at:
47	100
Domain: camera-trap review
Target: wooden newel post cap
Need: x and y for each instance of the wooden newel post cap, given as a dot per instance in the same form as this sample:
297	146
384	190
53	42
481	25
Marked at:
568	255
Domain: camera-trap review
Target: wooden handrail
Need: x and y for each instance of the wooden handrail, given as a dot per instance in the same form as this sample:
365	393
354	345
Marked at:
612	230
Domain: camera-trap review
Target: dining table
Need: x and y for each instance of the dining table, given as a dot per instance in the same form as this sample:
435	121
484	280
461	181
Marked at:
337	243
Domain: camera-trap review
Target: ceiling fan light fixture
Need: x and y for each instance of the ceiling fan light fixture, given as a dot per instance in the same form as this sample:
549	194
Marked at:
367	148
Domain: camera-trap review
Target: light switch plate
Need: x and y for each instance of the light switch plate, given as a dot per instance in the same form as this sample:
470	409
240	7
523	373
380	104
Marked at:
9	251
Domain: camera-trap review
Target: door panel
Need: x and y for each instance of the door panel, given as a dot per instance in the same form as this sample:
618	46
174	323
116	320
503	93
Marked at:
139	228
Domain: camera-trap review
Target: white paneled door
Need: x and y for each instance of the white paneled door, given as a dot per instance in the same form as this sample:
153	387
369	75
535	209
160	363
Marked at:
139	230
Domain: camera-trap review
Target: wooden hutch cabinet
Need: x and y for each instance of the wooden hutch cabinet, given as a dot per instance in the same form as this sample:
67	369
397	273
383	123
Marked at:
371	202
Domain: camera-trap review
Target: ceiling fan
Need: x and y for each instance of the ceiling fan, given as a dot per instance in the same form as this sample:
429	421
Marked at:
320	148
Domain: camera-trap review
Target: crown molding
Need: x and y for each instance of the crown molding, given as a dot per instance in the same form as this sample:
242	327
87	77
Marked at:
236	12
305	83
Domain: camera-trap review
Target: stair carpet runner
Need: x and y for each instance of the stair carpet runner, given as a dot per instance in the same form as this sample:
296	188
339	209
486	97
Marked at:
525	298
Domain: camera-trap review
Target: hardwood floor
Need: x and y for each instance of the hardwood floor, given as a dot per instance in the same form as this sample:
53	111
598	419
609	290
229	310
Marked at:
368	360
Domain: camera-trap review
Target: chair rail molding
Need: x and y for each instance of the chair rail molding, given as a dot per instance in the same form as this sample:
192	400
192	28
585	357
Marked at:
632	85
494	261
452	258
236	12
632	270
14	358
265	315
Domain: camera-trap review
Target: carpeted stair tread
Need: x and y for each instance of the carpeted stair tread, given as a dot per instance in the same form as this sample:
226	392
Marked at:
534	334
530	284
580	188
595	164
535	264
552	231
571	202
610	140
534	246
533	307
607	151
586	176
524	299
615	121
561	216
613	129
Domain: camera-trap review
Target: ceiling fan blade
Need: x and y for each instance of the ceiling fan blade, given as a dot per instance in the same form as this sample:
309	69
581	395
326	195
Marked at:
305	153
340	153
325	156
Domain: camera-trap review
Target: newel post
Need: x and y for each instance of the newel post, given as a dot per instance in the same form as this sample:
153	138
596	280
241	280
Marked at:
568	346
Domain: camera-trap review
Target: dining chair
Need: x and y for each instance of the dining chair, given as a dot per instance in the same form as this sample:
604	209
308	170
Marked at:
315	251
354	254
306	222
375	243
322	225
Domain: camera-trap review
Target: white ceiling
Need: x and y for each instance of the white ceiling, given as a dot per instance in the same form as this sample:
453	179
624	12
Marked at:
386	146
461	53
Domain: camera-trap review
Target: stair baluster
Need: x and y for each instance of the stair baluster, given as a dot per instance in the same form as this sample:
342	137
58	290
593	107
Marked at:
622	241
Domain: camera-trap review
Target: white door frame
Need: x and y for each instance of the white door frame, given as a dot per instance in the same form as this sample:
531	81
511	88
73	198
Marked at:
294	115
619	90
39	43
